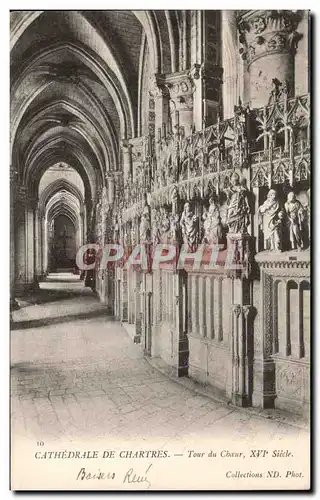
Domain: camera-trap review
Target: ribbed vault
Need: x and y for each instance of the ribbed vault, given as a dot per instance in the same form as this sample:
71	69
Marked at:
75	79
64	203
56	187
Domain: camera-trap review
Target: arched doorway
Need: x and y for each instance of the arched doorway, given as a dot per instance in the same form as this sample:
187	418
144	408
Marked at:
63	245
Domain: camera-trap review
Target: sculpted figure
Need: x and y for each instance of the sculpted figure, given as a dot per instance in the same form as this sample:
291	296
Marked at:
272	220
238	210
132	236
189	227
164	221
212	223
116	231
161	224
156	234
276	85
308	212
145	224
295	215
174	227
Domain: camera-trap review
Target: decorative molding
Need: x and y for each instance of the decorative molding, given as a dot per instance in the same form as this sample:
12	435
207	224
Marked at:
264	32
157	87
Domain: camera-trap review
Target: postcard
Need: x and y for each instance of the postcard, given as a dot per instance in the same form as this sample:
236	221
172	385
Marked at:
160	215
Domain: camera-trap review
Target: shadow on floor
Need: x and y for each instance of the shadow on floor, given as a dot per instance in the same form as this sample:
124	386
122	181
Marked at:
26	369
66	318
44	295
42	379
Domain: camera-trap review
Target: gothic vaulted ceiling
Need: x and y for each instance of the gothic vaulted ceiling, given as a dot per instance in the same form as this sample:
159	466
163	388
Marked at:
75	79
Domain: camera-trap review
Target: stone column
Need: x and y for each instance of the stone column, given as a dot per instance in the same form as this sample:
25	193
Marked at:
210	306
44	257
20	248
24	242
13	303
239	270
181	87
268	42
206	66
149	322
40	243
137	306
124	296
117	301
110	188
264	390
85	222
181	353
127	160
37	243
80	230
159	91
202	306
242	355
30	243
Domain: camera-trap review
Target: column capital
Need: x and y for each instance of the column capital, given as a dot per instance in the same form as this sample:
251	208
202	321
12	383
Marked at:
126	145
181	87
237	309
14	174
157	87
247	310
23	198
265	32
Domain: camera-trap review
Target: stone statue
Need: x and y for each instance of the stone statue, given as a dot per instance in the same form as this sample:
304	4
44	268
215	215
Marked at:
212	223
174	227
164	221
308	214
276	91
116	231
145	224
161	224
133	234
156	234
272	220
238	210
294	211
190	227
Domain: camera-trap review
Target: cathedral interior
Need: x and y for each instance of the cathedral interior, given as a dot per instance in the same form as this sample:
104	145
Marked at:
182	127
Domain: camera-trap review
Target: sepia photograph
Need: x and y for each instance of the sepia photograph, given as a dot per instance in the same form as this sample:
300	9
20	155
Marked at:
160	234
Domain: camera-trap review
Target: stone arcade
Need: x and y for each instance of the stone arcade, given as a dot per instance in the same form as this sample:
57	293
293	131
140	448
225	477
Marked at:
173	126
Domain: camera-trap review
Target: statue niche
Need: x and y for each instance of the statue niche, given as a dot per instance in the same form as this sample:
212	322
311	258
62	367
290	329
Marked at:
189	223
145	223
213	231
272	216
238	208
307	220
296	216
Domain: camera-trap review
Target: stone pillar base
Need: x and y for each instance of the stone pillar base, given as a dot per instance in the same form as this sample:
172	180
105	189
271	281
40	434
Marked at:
240	400
264	393
14	306
131	331
181	367
25	288
263	400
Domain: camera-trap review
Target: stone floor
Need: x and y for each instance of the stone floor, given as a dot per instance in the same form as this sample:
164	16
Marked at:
75	373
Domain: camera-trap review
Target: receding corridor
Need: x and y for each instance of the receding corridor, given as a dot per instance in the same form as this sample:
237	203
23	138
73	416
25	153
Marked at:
76	373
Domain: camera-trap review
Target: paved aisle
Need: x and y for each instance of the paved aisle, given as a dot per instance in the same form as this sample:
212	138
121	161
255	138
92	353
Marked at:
76	373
